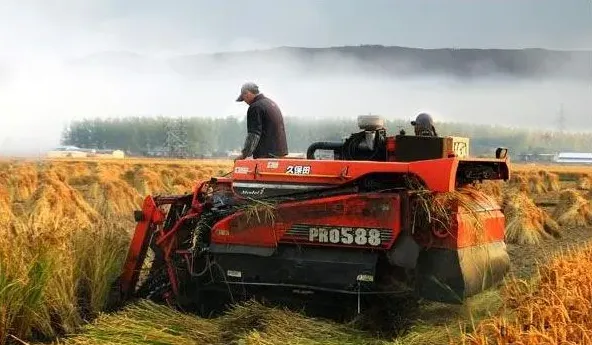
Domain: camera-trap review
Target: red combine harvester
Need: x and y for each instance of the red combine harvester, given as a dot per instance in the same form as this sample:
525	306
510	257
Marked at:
326	231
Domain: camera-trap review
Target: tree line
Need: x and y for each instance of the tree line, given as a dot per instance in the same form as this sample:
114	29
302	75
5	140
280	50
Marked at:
197	136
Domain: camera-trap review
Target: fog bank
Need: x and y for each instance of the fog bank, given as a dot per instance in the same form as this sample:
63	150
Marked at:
37	102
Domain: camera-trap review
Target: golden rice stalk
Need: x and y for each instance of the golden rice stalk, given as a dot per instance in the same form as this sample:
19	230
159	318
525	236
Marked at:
247	323
519	180
147	323
440	209
554	308
585	182
5	205
182	184
259	212
491	188
98	256
525	222
551	181
573	209
55	201
254	323
536	184
23	181
144	179
114	197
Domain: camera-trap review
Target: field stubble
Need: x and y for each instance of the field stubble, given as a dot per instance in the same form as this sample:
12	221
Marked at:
65	228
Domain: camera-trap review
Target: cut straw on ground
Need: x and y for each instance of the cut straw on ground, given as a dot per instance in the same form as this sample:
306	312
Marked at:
573	209
525	222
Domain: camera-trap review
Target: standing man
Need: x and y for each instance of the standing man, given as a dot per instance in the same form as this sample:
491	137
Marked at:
266	136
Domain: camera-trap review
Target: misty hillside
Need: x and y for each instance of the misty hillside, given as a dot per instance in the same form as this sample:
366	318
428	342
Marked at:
379	60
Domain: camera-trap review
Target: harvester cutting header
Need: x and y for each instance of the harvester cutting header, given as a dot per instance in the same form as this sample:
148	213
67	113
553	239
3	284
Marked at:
386	215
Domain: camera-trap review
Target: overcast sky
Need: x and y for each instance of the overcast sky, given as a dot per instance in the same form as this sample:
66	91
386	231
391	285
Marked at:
38	96
73	27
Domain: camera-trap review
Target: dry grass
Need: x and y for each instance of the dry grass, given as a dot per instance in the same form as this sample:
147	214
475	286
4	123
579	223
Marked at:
64	232
535	182
573	209
494	189
585	182
255	324
554	168
525	222
519	181
551	181
553	308
249	323
439	209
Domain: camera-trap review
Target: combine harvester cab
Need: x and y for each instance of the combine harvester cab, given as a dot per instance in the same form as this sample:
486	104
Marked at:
386	215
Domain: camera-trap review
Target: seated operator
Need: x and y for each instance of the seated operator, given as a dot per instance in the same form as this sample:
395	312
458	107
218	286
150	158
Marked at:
424	125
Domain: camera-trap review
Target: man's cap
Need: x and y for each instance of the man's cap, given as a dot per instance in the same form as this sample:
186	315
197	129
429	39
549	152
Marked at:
423	119
250	87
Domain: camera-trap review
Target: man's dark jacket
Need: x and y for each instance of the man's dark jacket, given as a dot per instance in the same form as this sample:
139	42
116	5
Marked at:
265	119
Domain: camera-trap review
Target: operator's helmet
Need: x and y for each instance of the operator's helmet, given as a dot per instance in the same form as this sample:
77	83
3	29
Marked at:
424	125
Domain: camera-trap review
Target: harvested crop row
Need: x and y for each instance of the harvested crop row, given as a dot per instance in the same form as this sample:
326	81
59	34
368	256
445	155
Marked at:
526	223
536	182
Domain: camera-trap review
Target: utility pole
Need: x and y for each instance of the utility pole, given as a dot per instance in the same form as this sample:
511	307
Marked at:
561	119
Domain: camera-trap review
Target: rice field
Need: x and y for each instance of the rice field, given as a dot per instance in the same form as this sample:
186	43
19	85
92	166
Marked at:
65	227
64	231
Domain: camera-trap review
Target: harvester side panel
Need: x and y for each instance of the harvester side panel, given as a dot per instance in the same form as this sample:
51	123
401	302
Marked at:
251	177
490	230
333	173
370	220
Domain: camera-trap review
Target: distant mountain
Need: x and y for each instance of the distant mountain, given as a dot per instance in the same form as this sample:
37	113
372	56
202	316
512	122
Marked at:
120	61
384	61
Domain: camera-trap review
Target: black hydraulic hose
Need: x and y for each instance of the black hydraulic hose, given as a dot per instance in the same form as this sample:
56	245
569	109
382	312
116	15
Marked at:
322	145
